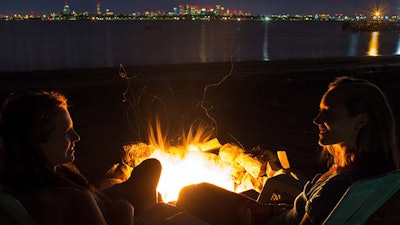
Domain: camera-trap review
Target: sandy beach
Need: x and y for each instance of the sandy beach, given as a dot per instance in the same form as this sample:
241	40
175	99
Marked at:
254	104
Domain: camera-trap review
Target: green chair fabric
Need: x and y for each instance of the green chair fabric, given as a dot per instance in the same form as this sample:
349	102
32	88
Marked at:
363	198
12	212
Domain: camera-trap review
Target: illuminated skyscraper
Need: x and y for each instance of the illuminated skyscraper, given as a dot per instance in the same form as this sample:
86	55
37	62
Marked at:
176	10
98	8
66	8
181	9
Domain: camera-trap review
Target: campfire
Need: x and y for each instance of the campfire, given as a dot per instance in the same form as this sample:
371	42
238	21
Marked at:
231	168
198	158
228	166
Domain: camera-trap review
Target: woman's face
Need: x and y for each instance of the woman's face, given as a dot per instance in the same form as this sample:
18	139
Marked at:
59	146
335	124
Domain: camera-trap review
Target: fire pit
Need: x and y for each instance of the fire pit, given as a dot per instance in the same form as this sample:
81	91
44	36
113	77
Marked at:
228	166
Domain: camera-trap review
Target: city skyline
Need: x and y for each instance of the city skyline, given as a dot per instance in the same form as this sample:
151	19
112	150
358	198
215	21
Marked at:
255	7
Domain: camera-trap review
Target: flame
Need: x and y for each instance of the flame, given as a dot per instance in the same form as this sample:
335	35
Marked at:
231	168
189	163
194	167
198	158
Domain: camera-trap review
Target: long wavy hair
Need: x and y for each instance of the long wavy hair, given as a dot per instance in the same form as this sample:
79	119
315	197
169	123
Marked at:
26	120
376	148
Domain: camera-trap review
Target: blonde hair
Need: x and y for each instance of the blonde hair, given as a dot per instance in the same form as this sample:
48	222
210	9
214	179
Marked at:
376	146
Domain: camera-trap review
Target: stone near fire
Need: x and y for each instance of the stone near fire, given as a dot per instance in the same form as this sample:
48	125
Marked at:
118	173
134	154
250	164
229	152
237	172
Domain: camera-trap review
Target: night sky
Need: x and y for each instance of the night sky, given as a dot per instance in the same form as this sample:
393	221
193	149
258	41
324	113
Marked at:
256	7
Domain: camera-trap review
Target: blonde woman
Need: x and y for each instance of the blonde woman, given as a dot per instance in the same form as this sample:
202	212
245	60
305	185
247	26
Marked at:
357	134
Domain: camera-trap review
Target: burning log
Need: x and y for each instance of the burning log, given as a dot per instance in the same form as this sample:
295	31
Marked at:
210	145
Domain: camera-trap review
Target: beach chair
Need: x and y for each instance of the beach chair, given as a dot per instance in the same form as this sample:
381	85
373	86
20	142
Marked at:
12	212
363	198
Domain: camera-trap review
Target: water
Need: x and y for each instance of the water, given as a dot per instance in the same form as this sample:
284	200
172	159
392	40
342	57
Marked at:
43	45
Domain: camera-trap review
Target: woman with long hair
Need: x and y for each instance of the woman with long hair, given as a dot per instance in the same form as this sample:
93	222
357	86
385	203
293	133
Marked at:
37	143
357	134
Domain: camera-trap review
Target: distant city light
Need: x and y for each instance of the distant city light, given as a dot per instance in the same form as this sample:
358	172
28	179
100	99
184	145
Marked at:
194	12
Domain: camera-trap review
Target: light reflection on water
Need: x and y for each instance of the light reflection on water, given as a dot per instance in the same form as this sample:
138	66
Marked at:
398	46
374	44
202	50
353	45
36	45
265	45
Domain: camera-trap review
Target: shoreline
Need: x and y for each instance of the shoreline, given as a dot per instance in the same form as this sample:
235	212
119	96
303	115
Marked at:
314	63
265	103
